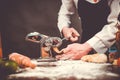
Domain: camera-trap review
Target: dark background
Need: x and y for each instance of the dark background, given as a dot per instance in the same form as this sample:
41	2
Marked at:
20	17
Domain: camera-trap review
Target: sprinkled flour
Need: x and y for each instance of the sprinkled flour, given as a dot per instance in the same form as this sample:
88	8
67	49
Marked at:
66	69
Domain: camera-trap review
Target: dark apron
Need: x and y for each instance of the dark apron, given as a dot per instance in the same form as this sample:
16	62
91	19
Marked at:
93	17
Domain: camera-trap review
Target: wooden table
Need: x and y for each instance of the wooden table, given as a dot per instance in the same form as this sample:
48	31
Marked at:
68	70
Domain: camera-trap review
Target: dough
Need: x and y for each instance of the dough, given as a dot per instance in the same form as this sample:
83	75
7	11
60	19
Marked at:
96	58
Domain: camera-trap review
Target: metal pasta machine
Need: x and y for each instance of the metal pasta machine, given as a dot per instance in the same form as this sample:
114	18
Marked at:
47	45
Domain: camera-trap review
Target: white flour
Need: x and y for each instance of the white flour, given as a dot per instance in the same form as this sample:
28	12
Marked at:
66	69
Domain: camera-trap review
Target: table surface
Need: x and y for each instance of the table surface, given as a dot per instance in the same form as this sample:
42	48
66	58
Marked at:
68	70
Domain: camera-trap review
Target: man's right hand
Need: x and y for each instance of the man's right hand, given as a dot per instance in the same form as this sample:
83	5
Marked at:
70	34
75	51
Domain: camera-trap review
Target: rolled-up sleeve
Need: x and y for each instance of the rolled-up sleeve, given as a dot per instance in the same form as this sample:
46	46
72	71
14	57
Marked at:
106	37
67	9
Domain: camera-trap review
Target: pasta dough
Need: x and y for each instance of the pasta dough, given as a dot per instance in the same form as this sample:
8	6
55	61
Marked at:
97	58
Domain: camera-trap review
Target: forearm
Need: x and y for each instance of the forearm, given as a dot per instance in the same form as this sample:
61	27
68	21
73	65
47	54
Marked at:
97	45
106	37
67	9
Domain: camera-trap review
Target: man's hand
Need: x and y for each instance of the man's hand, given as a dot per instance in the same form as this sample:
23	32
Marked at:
70	33
75	51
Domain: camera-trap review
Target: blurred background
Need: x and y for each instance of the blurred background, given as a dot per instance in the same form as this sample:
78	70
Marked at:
20	17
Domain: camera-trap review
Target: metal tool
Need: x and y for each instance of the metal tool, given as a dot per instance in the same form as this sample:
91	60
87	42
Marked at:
46	44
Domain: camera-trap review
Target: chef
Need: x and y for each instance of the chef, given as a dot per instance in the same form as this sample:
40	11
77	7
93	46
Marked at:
99	20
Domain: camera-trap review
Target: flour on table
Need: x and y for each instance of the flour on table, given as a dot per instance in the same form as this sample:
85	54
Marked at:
66	69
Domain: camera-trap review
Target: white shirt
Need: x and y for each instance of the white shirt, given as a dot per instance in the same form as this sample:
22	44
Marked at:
104	38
